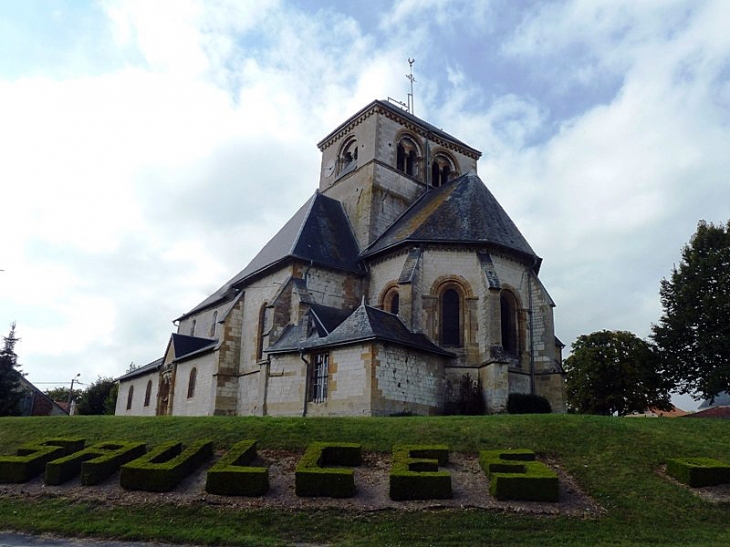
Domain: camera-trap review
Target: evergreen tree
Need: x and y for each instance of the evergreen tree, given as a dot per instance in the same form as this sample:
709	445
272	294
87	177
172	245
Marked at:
10	394
693	334
615	372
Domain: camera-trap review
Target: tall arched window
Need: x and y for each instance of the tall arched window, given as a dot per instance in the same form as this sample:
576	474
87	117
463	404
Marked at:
508	316
261	332
191	383
450	318
192	328
213	323
148	393
130	396
391	300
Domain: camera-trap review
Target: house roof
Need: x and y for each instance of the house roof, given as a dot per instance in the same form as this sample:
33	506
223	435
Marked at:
319	233
711	412
364	324
463	211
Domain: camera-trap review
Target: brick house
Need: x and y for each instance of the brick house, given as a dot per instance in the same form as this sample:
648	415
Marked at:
398	277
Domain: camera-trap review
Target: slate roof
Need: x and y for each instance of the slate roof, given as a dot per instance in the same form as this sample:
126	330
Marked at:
319	232
328	319
146	369
184	346
462	211
364	324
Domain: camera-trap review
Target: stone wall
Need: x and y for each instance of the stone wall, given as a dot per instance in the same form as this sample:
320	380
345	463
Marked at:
201	403
138	407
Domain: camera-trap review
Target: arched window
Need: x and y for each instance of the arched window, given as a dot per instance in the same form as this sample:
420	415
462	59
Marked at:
191	382
391	300
348	156
192	328
261	332
450	318
508	316
441	170
148	393
130	396
213	324
407	154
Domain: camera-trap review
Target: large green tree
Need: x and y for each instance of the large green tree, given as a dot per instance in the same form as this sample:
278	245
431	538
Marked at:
95	398
615	372
10	394
693	334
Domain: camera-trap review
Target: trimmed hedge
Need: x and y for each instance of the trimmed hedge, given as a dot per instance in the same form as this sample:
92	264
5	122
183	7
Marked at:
516	475
233	476
697	472
527	403
95	463
415	474
162	469
32	457
313	479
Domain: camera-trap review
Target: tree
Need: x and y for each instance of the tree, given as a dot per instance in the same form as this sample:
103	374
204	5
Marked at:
615	372
60	394
10	394
94	398
693	334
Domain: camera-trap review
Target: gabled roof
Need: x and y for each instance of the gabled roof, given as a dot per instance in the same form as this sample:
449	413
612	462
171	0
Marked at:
326	318
364	324
319	232
462	211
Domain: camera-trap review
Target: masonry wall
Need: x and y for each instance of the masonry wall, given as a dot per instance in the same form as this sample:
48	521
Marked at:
140	386
201	403
407	381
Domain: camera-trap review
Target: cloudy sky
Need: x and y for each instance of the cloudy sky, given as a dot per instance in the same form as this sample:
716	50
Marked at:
148	149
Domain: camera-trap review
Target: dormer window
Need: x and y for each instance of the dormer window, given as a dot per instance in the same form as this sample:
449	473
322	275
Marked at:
348	156
442	170
407	157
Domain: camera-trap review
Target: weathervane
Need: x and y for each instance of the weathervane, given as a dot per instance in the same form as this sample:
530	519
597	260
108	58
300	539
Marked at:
412	79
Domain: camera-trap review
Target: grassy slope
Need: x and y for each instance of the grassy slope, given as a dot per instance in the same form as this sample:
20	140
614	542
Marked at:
614	460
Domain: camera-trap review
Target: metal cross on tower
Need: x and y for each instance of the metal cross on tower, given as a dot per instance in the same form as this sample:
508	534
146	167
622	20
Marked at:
412	79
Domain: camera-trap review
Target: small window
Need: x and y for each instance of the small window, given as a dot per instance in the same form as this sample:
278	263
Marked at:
320	373
348	157
148	393
261	332
130	396
450	318
406	156
441	170
191	383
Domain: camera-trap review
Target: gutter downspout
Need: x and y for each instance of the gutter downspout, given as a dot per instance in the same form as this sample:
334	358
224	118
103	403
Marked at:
306	382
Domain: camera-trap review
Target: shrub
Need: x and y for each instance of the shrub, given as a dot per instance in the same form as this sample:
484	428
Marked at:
162	469
233	476
415	474
95	463
467	400
313	477
516	475
526	403
697	472
32	457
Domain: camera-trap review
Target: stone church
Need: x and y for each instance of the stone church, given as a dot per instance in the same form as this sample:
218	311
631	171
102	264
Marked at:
399	277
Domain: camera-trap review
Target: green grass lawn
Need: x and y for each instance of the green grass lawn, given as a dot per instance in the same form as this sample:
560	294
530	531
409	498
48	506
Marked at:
614	460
